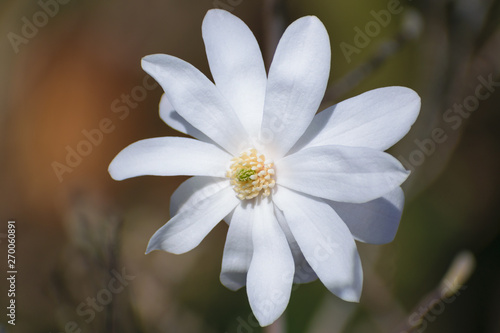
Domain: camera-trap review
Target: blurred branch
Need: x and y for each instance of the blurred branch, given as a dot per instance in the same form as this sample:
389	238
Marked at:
460	270
274	26
468	19
385	309
90	258
411	29
277	327
448	82
487	60
333	315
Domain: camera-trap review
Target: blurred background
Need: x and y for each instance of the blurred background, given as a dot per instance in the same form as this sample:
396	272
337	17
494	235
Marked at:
73	95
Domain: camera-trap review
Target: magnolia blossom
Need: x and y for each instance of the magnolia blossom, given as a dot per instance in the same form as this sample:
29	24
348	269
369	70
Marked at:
296	188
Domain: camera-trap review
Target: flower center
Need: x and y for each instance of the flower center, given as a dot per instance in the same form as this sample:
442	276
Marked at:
251	174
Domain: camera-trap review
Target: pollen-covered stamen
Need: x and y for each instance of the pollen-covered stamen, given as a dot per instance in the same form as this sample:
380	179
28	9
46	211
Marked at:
251	174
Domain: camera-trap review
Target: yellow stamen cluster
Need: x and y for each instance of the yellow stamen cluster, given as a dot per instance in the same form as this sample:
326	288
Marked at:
251	173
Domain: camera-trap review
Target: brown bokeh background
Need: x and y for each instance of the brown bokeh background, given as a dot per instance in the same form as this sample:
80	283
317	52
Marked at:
75	230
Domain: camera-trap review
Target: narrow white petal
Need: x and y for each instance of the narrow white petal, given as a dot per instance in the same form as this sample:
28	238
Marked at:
193	190
239	248
188	228
376	221
375	119
303	271
297	81
270	275
339	173
325	241
169	156
237	67
173	119
197	100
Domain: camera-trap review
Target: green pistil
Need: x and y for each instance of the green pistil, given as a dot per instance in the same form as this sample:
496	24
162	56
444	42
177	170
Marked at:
244	175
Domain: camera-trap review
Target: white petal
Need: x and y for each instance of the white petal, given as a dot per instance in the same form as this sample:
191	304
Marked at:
197	100
376	221
270	275
239	248
338	173
375	119
237	67
325	241
169	156
303	271
296	85
188	228
173	119
192	191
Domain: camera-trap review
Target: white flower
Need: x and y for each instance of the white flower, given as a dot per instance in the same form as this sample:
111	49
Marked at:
295	188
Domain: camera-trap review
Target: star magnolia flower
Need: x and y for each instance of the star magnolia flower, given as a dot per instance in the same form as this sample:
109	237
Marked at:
297	189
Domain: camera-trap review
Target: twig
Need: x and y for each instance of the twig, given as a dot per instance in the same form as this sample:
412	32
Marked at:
461	268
